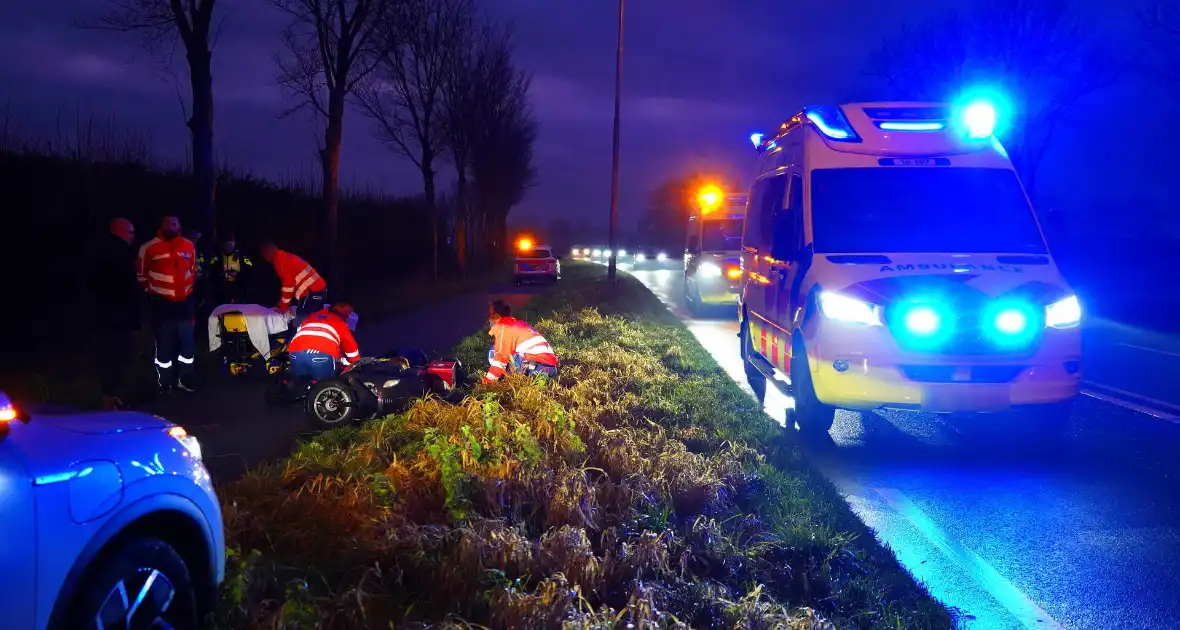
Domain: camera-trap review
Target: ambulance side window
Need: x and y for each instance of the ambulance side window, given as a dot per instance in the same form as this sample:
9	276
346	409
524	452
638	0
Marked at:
788	223
750	230
770	203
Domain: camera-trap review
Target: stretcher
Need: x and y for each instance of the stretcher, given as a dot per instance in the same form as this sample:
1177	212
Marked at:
246	333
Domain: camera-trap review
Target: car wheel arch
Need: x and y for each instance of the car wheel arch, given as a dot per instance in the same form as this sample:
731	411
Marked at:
172	518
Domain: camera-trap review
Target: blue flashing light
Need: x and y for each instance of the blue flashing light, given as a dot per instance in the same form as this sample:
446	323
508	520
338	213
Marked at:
922	320
912	126
831	122
925	323
756	138
980	120
1011	323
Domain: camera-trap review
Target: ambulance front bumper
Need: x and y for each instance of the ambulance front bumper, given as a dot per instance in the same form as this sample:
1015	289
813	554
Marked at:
849	373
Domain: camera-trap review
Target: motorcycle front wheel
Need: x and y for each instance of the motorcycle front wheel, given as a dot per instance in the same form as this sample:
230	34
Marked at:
331	404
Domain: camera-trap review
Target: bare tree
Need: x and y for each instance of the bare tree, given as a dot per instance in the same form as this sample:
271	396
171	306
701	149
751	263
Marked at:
159	23
329	52
1160	22
1046	58
479	63
502	150
419	42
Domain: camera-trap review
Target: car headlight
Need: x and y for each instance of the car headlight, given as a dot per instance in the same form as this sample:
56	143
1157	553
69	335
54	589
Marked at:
1065	313
640	257
661	257
189	442
848	310
709	270
622	252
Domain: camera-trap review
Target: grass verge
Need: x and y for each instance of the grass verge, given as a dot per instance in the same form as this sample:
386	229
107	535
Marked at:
643	489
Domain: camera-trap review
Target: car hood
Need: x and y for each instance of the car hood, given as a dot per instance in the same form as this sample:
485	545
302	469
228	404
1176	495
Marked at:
99	423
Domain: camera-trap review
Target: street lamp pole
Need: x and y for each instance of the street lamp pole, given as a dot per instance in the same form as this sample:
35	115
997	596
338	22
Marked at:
614	173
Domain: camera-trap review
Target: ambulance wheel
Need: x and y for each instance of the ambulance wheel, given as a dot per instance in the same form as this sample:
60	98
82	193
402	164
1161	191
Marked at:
331	404
812	416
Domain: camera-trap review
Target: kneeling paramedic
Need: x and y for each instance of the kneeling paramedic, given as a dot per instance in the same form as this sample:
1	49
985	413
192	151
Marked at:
323	340
302	284
517	345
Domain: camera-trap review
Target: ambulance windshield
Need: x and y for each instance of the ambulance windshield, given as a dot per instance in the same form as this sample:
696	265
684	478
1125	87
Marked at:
922	210
721	235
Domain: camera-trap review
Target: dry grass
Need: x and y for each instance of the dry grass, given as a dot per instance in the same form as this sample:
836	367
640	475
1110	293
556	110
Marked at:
642	490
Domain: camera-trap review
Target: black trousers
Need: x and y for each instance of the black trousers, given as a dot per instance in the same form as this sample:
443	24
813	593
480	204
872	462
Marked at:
114	350
176	352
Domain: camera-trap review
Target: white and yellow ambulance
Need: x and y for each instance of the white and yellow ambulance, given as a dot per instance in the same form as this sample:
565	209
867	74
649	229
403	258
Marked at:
892	259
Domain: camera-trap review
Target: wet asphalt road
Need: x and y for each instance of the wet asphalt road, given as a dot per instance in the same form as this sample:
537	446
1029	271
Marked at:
238	429
1013	531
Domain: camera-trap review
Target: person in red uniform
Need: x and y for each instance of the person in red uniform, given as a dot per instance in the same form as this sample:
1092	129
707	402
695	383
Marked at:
323	340
166	268
302	284
517	345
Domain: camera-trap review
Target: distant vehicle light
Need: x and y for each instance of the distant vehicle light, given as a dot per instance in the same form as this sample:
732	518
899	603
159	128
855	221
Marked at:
710	197
597	253
524	244
979	119
661	257
622	252
606	253
640	257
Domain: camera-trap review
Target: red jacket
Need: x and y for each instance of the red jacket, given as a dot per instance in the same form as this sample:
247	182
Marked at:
326	332
167	268
514	336
298	278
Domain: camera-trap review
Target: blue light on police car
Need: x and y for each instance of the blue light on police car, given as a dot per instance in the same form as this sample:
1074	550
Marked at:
979	118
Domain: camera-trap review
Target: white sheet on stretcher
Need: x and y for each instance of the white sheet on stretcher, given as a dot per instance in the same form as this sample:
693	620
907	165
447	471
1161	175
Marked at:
261	323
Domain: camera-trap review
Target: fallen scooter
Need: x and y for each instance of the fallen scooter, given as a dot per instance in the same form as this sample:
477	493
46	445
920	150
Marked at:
372	387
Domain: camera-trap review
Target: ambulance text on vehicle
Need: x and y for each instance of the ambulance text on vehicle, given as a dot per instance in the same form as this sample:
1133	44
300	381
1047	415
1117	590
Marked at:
892	259
713	249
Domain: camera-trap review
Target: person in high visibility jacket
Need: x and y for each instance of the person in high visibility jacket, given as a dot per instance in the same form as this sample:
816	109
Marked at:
517	345
166	269
302	284
229	272
323	340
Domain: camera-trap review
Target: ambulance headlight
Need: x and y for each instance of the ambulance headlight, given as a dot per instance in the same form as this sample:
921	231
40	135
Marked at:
709	270
1065	313
847	310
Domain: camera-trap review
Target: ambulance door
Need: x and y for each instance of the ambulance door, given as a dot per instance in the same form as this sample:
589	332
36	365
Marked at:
768	196
788	269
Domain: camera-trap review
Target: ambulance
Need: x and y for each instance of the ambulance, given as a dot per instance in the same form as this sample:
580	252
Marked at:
892	260
713	249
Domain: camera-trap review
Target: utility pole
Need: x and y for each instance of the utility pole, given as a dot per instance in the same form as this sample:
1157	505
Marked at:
614	173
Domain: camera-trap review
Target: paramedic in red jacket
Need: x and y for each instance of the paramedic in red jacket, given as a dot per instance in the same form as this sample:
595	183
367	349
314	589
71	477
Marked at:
517	345
166	268
302	284
322	341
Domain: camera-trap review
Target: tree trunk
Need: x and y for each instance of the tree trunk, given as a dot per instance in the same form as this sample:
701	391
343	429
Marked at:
330	162
461	222
201	127
431	210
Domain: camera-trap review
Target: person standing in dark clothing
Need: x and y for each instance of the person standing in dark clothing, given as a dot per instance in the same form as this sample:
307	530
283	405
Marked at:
117	303
230	273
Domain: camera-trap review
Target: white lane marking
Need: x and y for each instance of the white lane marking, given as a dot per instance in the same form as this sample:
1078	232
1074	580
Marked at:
1146	349
1021	606
1134	402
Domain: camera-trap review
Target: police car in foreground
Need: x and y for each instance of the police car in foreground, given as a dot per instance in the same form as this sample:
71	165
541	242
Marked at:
110	521
891	259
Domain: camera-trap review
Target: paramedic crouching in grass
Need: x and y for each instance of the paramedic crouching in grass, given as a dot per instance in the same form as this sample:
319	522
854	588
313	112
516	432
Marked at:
517	345
323	340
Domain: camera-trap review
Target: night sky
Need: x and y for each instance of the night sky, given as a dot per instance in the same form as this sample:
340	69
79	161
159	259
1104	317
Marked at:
699	76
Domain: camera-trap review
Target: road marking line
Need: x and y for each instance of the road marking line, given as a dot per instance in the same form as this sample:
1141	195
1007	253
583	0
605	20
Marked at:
1146	349
1135	402
1021	606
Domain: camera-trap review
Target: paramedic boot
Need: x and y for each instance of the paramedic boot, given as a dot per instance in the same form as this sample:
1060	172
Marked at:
186	385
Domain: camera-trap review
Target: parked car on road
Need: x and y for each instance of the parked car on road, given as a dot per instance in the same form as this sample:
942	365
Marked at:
110	521
536	264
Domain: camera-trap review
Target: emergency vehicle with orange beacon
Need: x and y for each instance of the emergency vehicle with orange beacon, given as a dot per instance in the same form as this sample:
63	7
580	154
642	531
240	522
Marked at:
713	249
892	259
535	263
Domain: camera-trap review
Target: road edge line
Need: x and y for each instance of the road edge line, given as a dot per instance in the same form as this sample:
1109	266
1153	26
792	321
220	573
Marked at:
1015	601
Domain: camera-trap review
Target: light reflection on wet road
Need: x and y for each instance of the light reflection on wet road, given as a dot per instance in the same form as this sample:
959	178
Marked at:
1015	532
